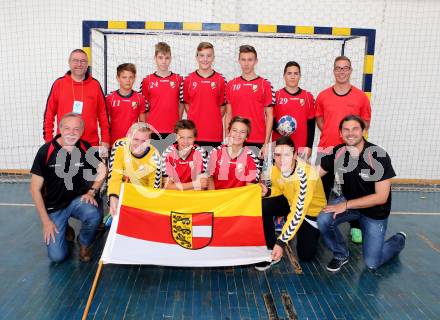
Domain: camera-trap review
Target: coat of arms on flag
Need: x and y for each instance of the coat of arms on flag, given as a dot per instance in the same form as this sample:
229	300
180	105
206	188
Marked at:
189	228
192	230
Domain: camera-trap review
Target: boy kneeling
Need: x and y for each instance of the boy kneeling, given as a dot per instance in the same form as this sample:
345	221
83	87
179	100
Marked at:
296	192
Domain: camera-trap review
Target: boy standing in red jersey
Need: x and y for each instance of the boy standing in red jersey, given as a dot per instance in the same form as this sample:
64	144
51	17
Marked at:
203	93
185	162
161	92
251	96
299	104
125	105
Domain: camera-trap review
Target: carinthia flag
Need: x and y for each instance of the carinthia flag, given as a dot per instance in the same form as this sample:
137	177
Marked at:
190	228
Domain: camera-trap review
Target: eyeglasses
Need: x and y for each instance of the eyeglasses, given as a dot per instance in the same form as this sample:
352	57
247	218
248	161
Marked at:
343	69
77	61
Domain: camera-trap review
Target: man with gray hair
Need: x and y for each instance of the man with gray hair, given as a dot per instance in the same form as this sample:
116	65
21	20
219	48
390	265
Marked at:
66	175
77	91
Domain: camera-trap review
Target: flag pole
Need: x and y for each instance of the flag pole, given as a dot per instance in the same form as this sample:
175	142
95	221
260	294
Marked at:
92	290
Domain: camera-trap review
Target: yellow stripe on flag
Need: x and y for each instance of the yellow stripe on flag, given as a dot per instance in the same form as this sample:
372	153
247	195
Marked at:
244	201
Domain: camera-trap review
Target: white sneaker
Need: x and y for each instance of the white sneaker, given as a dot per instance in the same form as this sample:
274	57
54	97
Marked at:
265	265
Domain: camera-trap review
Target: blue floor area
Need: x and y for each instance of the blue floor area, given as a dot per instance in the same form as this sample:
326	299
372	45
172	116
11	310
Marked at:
33	288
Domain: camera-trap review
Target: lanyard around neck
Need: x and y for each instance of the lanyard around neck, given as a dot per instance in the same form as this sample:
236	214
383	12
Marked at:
82	91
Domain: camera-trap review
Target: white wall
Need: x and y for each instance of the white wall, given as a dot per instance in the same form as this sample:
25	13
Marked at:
36	39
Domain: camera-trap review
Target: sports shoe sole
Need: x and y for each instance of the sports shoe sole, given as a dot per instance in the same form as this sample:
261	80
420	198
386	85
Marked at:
335	270
267	267
403	234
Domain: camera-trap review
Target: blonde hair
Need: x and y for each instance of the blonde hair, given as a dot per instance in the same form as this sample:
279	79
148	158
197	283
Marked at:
204	45
137	127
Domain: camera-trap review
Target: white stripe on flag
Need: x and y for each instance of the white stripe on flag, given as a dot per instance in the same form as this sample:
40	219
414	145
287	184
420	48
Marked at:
202	231
127	250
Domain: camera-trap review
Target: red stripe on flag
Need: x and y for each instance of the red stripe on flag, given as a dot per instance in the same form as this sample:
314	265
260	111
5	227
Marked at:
202	219
227	231
199	242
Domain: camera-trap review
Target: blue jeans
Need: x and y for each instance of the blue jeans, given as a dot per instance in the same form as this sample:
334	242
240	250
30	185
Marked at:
90	219
375	249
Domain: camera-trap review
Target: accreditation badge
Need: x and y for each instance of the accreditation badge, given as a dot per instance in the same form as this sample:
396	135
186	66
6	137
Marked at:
77	107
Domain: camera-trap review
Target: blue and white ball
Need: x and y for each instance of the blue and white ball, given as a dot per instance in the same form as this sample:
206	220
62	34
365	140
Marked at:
286	125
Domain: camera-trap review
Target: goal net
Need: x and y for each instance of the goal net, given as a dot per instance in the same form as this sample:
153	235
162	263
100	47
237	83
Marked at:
314	53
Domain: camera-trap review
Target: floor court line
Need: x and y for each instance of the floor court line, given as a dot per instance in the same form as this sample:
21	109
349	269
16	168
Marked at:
428	242
4	204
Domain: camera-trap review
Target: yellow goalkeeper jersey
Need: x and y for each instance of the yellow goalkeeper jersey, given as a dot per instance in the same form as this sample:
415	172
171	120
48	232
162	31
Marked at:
145	170
303	190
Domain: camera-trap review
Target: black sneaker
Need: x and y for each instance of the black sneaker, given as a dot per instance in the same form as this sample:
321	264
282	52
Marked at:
265	265
336	264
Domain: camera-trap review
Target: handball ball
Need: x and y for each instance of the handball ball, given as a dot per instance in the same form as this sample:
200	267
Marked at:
286	125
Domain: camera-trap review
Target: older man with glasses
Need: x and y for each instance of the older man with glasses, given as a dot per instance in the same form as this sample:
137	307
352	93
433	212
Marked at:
79	93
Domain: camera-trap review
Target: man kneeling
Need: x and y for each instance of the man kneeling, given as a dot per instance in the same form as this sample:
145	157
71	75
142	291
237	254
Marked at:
66	175
364	171
296	192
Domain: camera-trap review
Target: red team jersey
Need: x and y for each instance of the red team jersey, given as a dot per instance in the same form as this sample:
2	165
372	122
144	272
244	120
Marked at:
123	112
232	173
184	169
301	107
205	96
333	108
248	99
162	96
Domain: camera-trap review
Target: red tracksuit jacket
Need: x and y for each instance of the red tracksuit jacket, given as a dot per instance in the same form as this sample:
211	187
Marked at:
60	101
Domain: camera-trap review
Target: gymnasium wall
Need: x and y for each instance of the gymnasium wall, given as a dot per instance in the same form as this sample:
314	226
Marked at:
37	37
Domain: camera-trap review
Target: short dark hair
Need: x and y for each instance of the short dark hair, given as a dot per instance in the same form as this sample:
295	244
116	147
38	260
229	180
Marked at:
292	64
245	121
342	58
285	141
185	124
126	67
352	117
246	48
